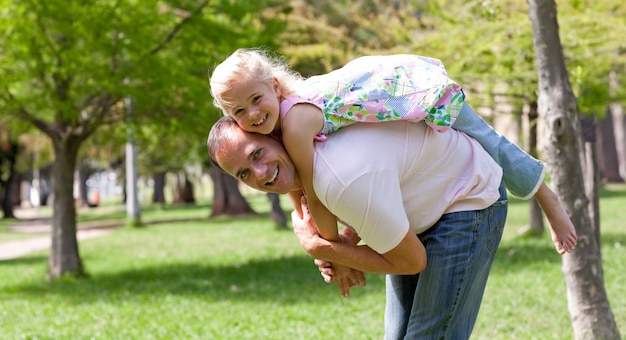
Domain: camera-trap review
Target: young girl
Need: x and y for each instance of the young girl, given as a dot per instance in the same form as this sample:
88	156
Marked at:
263	95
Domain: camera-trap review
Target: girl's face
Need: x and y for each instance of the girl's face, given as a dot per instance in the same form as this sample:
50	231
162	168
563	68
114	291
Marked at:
255	105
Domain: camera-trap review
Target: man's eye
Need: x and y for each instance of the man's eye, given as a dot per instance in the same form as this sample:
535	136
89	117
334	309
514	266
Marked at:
243	174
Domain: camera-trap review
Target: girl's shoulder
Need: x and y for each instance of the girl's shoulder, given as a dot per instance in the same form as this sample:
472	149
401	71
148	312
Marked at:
288	102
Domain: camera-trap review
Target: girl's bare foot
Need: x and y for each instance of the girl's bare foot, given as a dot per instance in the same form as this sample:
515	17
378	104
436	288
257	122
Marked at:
561	227
563	236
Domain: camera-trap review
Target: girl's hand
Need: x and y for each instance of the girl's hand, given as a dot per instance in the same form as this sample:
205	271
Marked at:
350	278
344	279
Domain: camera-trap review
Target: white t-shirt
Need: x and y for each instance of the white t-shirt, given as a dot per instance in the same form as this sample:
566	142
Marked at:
384	178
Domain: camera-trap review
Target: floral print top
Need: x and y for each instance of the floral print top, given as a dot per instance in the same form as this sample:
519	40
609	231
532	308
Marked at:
383	88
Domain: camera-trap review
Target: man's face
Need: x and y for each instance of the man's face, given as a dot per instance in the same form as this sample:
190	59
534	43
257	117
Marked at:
258	161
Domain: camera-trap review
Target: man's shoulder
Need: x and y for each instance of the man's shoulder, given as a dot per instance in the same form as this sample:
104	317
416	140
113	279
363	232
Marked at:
361	148
363	139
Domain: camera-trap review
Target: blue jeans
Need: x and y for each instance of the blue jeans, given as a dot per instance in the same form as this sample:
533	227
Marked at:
442	302
522	173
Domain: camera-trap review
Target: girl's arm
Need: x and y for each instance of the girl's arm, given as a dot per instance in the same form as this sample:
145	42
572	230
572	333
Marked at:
295	197
299	129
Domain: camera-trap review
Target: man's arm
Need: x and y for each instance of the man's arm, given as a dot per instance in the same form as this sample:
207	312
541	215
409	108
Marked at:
408	257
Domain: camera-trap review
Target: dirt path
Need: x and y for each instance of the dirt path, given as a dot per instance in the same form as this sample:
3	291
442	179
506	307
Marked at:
14	249
33	223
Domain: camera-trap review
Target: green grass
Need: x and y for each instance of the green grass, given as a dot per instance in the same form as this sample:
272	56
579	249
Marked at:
183	276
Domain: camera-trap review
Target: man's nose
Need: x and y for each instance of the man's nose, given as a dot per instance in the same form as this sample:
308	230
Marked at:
259	169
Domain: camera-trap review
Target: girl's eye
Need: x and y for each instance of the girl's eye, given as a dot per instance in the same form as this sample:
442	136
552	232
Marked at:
256	154
237	112
256	99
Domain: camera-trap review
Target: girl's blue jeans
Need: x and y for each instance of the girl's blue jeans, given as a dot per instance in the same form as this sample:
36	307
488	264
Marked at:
442	302
522	173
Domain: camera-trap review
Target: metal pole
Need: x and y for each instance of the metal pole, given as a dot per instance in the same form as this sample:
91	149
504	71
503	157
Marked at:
132	201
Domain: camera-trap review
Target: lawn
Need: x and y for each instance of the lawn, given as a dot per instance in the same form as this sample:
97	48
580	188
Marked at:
183	276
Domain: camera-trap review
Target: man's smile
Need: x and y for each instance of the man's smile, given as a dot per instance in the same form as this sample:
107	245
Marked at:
271	181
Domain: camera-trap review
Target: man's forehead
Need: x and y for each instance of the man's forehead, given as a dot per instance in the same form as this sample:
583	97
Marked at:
237	146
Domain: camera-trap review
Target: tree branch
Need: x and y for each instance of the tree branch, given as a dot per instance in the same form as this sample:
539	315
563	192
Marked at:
176	29
23	114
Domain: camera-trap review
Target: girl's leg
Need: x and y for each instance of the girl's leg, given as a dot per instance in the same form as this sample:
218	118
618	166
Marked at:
522	173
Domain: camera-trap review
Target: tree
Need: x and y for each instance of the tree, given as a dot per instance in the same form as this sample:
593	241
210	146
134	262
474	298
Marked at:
608	158
9	149
227	200
69	65
535	226
591	314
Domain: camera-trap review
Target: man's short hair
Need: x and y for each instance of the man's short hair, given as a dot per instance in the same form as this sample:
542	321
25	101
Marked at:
217	135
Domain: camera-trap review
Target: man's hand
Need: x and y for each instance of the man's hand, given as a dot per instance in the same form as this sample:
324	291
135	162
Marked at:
345	280
306	231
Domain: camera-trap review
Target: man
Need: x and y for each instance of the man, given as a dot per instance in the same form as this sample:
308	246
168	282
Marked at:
396	184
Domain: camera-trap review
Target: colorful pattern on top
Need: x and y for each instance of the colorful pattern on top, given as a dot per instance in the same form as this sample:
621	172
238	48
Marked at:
384	88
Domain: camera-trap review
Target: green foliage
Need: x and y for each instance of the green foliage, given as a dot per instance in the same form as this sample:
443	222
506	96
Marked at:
73	65
490	42
183	276
325	34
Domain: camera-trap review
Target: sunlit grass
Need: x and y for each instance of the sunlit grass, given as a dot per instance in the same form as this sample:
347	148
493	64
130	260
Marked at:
183	276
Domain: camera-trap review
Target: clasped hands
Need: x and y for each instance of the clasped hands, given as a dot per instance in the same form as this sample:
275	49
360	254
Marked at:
306	231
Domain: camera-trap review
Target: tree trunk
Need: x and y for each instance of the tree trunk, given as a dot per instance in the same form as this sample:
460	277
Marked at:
16	190
592	174
183	193
45	184
619	127
83	176
227	200
158	195
64	258
536	226
8	178
591	314
7	199
277	214
609	164
187	191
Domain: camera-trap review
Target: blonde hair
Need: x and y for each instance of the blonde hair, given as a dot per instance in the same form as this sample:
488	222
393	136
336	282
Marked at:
247	65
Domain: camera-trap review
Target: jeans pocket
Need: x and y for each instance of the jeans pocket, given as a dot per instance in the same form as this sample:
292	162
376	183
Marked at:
496	221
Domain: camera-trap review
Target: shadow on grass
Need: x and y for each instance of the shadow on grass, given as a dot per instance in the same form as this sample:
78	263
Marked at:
25	260
613	192
282	280
519	254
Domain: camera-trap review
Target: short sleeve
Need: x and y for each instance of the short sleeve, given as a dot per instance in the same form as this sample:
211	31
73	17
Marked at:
372	205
